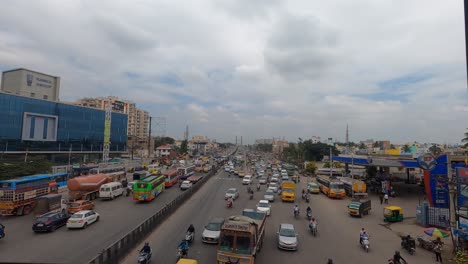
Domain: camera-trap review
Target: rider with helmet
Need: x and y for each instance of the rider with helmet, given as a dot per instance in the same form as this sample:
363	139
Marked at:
397	257
146	248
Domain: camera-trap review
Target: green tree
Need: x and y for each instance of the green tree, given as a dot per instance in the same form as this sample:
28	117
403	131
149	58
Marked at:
35	165
406	148
311	167
336	165
392	146
159	141
465	139
435	150
362	146
184	146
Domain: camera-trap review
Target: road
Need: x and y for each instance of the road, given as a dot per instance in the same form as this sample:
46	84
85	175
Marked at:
338	233
117	218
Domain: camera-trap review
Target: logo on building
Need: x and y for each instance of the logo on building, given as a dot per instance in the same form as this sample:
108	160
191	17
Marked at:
427	162
29	79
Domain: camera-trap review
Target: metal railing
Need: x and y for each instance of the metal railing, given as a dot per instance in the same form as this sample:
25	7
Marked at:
119	249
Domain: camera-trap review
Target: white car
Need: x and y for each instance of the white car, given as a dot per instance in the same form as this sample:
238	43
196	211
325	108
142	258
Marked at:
247	179
273	186
185	185
212	231
227	168
233	193
269	195
274	179
284	177
262	180
82	219
264	206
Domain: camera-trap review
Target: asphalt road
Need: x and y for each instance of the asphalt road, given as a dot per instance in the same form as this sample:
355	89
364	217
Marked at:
338	232
117	218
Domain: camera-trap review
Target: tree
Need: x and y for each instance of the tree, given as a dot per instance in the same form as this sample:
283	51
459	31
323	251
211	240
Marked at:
435	150
362	146
392	146
34	165
336	165
465	139
184	146
406	148
311	167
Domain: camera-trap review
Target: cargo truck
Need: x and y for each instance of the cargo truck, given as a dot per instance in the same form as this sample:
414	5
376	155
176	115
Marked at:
288	191
241	238
86	187
50	203
353	186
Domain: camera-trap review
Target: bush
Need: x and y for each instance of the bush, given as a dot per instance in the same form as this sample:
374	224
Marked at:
17	169
311	167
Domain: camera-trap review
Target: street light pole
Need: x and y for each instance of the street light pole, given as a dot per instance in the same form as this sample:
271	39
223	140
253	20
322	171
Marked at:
352	174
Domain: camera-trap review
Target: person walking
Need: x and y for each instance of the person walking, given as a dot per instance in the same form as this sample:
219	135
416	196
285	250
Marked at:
438	250
381	197
386	198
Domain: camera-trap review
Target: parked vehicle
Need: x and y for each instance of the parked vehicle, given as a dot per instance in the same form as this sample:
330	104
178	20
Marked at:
287	237
251	225
212	230
111	190
49	222
82	219
86	187
50	203
408	243
80	205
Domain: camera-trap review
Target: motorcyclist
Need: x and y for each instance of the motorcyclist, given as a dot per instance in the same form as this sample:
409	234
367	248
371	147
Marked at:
258	186
330	261
146	248
230	201
312	221
191	229
309	210
397	257
364	236
296	209
362	232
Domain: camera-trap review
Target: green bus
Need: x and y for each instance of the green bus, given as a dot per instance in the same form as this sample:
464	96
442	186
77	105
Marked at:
148	188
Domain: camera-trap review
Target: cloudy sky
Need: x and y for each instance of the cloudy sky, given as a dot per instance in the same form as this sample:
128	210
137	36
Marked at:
257	68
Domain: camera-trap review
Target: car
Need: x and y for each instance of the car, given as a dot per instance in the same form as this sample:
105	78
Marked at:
82	219
241	174
284	177
79	205
273	186
312	187
263	180
264	206
236	172
232	192
185	185
247	179
212	230
227	168
287	237
274	179
49	222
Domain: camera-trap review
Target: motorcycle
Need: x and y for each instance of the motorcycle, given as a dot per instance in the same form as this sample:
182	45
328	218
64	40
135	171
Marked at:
144	257
390	261
251	196
309	215
365	243
229	204
258	188
127	193
313	228
189	236
307	198
296	213
182	250
409	244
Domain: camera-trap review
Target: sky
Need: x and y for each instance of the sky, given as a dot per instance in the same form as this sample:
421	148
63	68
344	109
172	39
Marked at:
391	70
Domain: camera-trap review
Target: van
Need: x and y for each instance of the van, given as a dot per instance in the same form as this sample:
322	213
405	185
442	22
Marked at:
111	190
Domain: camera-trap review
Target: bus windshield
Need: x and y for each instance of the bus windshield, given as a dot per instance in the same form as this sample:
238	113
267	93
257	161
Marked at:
226	243
337	186
243	245
142	185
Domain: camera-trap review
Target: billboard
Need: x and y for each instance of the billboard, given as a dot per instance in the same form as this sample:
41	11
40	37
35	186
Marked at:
436	183
462	177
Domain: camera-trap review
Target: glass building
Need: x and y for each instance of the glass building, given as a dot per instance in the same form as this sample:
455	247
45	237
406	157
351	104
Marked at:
34	125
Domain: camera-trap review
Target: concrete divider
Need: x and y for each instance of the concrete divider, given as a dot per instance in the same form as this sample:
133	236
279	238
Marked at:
119	249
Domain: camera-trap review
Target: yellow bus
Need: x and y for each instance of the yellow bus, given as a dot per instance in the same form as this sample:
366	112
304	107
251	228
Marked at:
332	188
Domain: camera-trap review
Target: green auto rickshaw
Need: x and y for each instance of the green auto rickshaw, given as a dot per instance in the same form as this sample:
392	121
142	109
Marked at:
393	213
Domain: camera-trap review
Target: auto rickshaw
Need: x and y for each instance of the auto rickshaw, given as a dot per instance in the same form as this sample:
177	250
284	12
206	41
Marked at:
393	213
187	261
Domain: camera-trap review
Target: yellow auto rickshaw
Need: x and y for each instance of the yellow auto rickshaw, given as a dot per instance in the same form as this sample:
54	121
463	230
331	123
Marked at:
393	213
187	261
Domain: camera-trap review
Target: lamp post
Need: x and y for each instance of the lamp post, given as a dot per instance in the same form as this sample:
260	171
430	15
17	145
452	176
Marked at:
352	174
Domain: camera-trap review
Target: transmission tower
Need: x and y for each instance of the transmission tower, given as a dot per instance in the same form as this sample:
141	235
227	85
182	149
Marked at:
107	127
160	126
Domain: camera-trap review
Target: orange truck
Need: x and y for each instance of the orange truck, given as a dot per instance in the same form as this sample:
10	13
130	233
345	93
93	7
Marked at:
86	187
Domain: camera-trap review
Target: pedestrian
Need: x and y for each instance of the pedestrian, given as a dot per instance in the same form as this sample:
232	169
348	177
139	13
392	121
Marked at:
386	198
381	197
438	250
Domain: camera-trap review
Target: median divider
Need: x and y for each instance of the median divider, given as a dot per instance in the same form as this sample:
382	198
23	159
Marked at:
119	249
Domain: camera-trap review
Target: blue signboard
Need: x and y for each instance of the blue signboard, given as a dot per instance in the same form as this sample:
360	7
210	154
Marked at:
437	187
462	175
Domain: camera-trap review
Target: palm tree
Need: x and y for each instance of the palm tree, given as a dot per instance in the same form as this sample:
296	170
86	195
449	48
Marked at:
465	139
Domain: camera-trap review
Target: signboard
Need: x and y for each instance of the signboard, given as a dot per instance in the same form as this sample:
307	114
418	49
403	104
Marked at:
462	175
427	162
384	162
239	227
436	180
463	222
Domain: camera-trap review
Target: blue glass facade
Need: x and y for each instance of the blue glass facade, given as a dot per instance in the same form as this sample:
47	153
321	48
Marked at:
78	128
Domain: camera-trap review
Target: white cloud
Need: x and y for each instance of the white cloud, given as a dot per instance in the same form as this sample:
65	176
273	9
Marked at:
390	69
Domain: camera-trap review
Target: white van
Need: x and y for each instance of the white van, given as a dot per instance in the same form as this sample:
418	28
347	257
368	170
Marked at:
111	190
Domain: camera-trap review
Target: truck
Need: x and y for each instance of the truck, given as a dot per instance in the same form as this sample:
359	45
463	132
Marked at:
194	178
86	187
288	191
241	238
353	186
50	203
359	206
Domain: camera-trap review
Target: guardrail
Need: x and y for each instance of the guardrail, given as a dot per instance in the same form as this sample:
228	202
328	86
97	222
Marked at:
120	248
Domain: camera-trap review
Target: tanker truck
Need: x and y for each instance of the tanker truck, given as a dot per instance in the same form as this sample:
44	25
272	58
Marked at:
86	187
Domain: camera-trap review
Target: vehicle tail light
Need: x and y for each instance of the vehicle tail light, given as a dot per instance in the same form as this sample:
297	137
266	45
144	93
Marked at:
49	223
81	221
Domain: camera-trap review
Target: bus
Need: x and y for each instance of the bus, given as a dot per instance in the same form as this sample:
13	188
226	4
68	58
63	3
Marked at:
326	172
353	186
172	177
116	173
332	188
148	188
186	172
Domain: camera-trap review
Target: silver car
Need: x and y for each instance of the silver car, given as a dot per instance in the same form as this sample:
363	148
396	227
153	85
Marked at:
269	196
262	180
287	237
212	231
233	193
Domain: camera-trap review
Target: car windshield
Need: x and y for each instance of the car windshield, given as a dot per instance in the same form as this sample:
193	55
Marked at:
77	216
287	232
231	191
186	182
243	245
226	243
288	191
74	205
263	205
213	226
42	219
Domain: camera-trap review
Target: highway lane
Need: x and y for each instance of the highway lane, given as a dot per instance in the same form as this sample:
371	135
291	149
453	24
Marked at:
338	233
117	218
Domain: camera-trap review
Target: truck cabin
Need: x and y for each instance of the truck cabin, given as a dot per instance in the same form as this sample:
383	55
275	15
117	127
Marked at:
236	242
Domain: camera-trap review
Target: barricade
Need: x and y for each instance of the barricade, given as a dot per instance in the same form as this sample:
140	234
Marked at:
119	249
